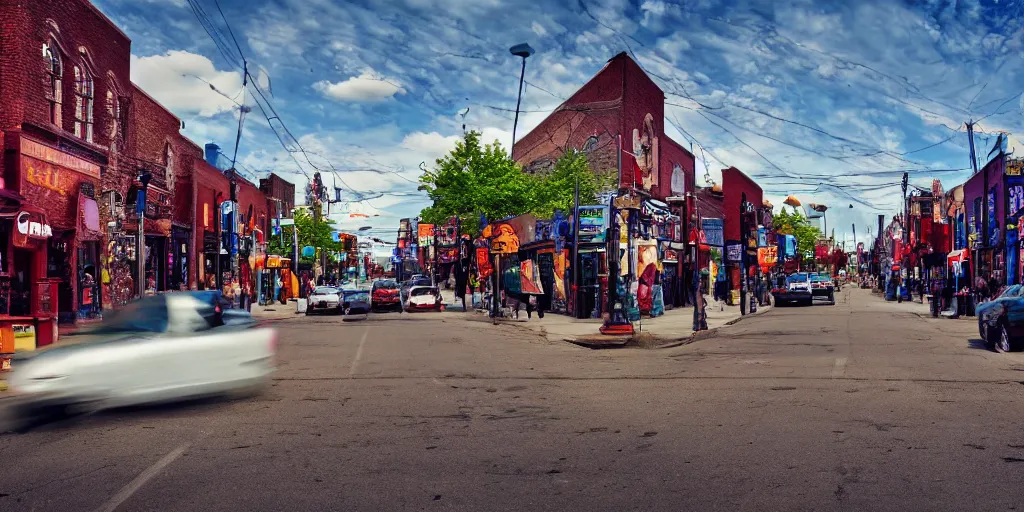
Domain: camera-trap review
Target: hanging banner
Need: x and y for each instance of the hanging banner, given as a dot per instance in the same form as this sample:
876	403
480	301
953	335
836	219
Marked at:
483	262
529	278
767	257
733	252
762	236
508	235
714	231
448	234
425	234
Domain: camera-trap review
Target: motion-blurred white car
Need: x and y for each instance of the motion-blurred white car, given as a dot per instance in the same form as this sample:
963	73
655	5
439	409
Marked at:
158	349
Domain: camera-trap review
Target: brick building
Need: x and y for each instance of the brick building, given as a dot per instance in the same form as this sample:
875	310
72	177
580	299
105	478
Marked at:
280	194
77	134
64	80
621	107
619	100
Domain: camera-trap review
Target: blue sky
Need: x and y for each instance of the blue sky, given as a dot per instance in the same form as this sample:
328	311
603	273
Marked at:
829	101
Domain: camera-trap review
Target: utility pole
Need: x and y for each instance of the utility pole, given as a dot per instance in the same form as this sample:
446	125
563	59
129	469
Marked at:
981	237
140	243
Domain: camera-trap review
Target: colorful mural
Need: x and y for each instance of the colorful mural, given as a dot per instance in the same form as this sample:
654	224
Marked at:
648	270
645	150
529	278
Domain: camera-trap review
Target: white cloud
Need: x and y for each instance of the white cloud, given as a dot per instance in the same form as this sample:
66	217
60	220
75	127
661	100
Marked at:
539	29
363	88
432	144
172	80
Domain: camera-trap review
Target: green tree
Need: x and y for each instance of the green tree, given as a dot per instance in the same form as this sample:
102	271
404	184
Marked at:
311	233
474	179
556	190
793	223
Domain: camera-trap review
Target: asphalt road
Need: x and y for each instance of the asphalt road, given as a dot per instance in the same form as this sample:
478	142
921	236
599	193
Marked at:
860	406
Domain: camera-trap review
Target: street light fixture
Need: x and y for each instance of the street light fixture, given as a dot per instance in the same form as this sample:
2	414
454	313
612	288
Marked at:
520	50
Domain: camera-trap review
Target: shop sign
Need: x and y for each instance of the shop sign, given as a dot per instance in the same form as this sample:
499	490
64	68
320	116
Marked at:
1014	167
714	231
33	225
273	261
593	223
734	252
42	174
56	157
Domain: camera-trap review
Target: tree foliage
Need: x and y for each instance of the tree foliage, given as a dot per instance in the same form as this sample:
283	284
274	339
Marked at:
474	180
311	233
793	223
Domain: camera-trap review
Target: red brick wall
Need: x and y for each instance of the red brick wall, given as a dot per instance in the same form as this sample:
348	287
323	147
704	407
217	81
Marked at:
734	185
615	101
250	195
24	28
276	187
578	121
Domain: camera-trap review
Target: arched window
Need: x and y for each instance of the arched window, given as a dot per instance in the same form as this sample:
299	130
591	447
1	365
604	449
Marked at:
113	119
54	73
169	166
83	103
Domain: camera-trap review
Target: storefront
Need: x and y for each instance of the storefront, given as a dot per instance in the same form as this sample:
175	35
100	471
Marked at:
178	259
209	260
62	182
591	270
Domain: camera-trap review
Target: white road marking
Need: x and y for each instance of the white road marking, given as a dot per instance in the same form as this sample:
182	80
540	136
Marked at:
359	354
839	368
147	475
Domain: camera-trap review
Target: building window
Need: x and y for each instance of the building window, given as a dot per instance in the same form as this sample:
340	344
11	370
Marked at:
54	72
83	104
114	119
169	166
590	144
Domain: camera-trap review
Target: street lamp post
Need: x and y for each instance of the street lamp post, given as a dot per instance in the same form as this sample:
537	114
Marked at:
520	50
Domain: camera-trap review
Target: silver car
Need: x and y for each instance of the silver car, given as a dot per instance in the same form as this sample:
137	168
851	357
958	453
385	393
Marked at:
325	299
162	348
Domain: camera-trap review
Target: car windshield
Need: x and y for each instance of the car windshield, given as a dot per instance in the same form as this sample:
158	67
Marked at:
385	285
423	291
1012	291
797	278
325	290
145	315
818	278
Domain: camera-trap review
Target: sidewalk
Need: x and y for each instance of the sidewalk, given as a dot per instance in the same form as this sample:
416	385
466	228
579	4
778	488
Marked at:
670	329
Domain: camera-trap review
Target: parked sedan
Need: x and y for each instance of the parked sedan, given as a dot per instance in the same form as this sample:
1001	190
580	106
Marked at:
797	289
422	298
384	294
822	287
355	301
325	299
1001	321
158	349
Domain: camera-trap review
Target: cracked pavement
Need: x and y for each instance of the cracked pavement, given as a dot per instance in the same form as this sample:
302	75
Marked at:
860	406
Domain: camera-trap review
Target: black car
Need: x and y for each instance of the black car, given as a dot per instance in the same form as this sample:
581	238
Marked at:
1001	321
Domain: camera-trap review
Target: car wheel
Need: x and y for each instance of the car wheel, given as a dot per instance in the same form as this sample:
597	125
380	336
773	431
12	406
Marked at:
1004	343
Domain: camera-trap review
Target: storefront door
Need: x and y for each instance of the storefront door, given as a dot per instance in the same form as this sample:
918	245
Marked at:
156	264
58	266
89	300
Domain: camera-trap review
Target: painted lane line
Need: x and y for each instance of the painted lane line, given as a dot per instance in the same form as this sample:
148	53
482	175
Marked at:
359	354
147	475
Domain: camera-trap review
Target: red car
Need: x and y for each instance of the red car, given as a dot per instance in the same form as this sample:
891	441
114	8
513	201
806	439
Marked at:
384	295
